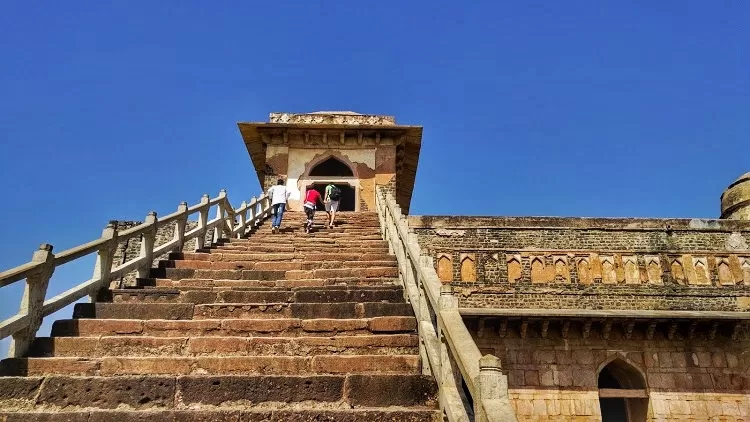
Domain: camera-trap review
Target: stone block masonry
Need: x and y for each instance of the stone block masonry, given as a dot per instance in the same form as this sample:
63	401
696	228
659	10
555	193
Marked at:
556	379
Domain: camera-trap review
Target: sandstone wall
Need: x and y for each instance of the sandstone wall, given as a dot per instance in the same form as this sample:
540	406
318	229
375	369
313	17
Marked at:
555	379
579	263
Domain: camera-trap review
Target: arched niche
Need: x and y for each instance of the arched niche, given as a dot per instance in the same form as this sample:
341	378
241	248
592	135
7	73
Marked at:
468	268
623	395
331	166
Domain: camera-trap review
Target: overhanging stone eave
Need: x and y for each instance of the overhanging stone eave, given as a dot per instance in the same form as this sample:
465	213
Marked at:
618	314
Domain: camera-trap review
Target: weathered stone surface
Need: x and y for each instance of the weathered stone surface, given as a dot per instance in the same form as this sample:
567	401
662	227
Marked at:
19	388
391	390
108	393
134	310
392	324
323	310
215	390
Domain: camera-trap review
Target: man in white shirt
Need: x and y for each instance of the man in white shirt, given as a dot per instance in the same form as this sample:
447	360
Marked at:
279	195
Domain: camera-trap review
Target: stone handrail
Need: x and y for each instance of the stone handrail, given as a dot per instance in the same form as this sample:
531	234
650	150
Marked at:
24	325
446	347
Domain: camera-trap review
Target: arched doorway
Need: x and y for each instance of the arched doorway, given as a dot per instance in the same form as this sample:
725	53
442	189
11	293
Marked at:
336	171
622	393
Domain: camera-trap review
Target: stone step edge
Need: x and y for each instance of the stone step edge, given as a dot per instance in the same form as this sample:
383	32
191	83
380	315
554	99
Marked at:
385	324
222	414
183	391
194	346
211	365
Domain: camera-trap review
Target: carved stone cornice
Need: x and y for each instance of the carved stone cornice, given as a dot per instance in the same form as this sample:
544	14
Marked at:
333	118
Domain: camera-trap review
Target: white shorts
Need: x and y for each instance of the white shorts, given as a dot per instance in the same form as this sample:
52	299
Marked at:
332	206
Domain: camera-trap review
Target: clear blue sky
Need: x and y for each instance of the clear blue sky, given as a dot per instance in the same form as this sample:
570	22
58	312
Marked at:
111	109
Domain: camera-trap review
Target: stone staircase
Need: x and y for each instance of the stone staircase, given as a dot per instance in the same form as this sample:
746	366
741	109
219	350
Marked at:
273	327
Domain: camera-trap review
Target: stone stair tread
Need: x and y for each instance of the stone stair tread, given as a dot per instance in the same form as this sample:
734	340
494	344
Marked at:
302	310
301	282
161	391
270	295
222	345
210	365
233	327
228	415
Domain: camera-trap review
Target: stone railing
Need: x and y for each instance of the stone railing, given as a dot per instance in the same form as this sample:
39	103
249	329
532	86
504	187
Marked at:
229	222
446	347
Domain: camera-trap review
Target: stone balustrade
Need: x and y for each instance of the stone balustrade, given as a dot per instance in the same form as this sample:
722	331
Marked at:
448	350
228	222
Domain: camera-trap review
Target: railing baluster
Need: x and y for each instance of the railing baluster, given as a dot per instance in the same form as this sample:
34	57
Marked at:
180	225
147	246
219	229
33	299
104	259
202	222
243	220
253	212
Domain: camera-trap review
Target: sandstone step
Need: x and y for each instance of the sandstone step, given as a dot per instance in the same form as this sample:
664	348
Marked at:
285	257
269	236
261	248
382	344
274	265
228	415
157	392
346	310
270	275
310	282
211	365
185	311
233	327
268	295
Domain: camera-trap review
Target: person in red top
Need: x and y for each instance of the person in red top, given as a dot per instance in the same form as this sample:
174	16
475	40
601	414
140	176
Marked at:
312	198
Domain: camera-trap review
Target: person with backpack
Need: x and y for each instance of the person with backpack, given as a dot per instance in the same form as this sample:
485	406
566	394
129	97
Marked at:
332	201
312	198
279	196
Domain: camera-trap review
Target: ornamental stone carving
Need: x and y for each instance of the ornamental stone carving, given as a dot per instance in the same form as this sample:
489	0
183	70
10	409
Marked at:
736	242
333	118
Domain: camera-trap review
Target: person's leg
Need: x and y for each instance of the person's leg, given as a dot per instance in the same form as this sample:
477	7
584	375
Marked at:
309	212
275	220
334	208
280	214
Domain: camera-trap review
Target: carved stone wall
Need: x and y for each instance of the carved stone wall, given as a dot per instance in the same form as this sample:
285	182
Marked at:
591	263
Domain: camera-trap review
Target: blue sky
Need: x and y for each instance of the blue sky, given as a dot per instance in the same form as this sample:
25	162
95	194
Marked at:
111	109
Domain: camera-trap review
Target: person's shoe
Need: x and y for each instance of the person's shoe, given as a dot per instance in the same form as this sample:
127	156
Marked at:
274	230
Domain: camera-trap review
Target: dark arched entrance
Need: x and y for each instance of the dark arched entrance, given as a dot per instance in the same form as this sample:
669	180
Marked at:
348	198
332	167
622	393
333	170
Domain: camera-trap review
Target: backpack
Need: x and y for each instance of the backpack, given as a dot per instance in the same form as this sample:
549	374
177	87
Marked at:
335	194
